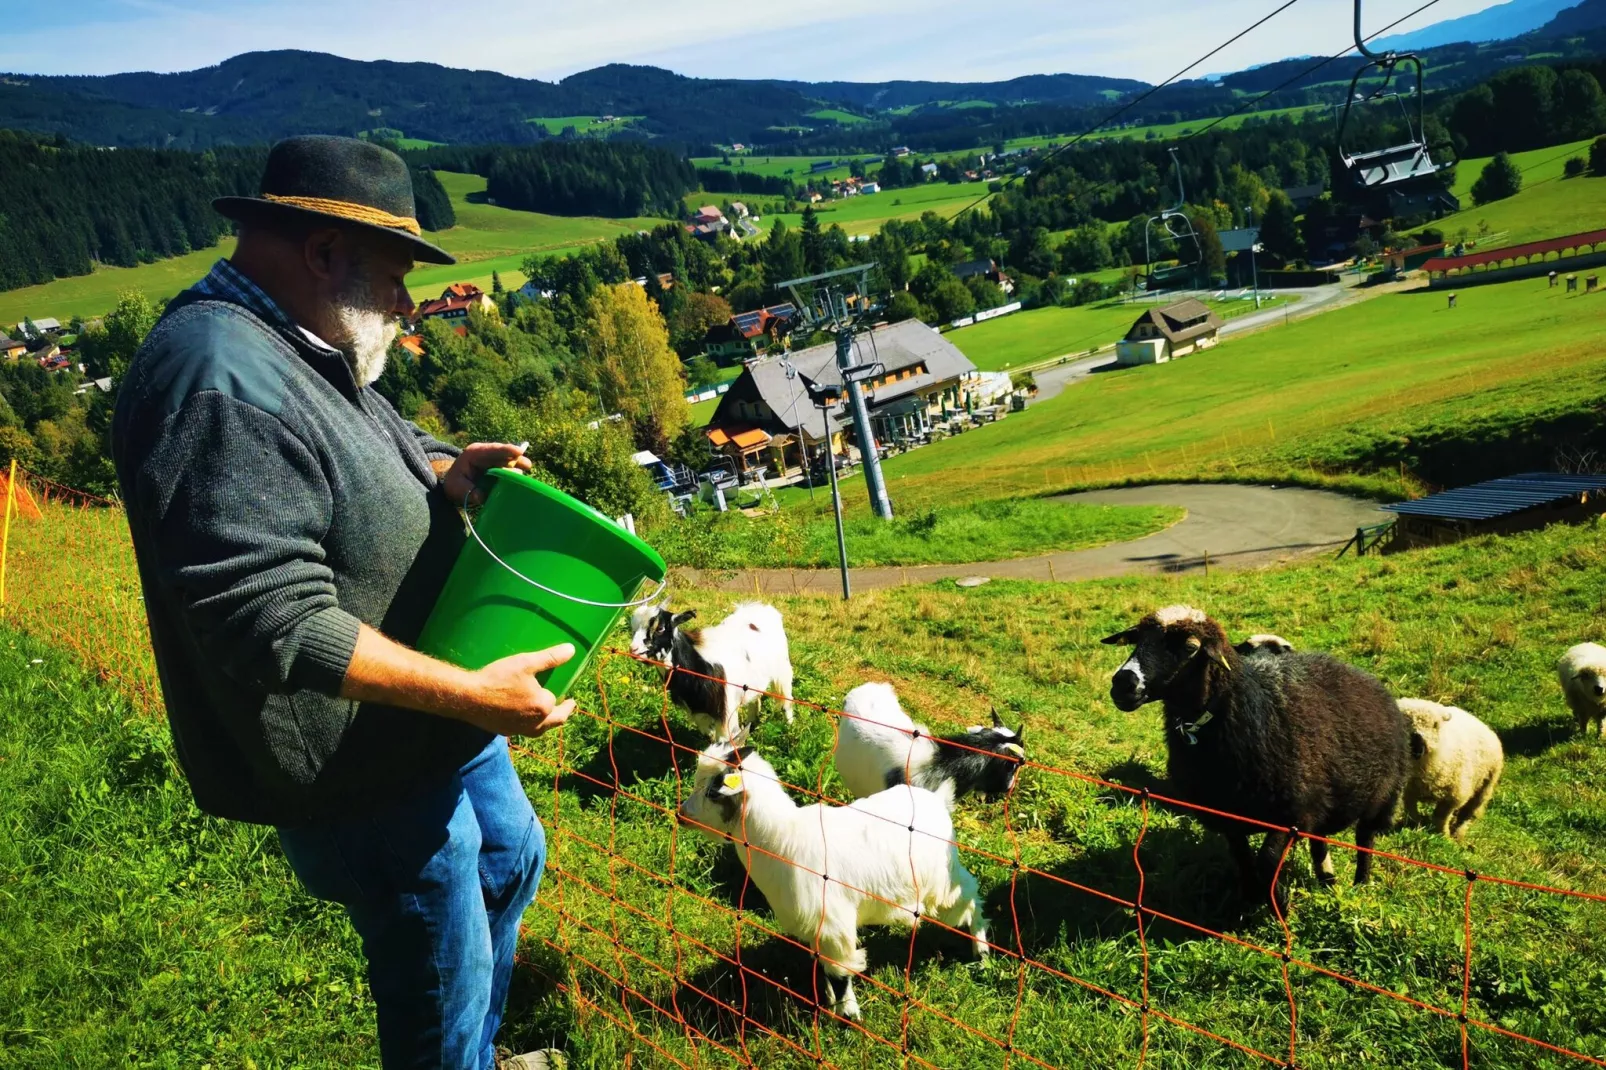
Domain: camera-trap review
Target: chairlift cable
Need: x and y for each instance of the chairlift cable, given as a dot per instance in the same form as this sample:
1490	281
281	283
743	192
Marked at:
1219	119
1135	101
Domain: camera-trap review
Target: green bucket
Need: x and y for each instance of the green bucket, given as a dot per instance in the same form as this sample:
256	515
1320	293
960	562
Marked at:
539	569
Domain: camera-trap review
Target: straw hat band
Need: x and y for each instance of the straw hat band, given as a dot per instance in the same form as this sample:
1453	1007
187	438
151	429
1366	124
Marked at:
357	213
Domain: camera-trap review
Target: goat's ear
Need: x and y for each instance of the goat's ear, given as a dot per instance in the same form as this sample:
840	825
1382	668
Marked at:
1015	750
1212	647
730	784
1419	746
1127	638
998	722
681	618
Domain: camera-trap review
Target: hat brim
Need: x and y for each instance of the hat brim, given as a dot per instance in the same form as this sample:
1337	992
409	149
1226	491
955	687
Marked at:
255	209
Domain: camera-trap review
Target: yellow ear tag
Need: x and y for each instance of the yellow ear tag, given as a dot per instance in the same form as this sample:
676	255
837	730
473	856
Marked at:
733	782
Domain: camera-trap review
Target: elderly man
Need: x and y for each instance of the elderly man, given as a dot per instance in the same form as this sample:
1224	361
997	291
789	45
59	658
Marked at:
292	533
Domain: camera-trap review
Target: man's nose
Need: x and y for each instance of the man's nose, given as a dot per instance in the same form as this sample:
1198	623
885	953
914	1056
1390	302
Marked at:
404	303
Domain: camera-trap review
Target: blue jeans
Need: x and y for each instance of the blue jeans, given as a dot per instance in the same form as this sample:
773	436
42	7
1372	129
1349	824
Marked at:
435	886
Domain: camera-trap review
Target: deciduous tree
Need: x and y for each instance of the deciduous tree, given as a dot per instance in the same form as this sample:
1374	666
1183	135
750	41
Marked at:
628	360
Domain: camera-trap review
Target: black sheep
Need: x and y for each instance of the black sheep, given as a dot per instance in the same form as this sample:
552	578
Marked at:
1299	740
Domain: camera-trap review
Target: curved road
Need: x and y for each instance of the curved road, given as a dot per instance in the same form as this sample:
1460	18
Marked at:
1236	526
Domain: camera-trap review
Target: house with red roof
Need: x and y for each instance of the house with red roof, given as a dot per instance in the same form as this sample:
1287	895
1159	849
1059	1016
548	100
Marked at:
455	301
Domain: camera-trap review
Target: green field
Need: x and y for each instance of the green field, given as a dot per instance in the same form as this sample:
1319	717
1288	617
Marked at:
1279	403
1547	206
135	931
837	115
793	167
865	214
1039	334
486	238
588	125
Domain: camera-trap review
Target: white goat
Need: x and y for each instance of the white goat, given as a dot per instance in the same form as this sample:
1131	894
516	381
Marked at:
1583	680
888	859
747	651
878	746
1456	761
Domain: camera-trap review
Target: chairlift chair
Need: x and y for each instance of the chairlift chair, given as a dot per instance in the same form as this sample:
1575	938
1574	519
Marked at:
1179	228
1401	179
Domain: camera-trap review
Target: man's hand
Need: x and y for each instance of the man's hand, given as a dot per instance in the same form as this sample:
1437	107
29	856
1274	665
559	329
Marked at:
460	478
512	702
504	697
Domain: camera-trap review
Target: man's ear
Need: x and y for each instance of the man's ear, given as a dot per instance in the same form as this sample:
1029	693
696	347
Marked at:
1128	637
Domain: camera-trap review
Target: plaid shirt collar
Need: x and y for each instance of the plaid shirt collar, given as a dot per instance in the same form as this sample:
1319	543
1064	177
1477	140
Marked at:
230	283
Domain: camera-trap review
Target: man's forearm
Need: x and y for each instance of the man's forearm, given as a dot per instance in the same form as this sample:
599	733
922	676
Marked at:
383	671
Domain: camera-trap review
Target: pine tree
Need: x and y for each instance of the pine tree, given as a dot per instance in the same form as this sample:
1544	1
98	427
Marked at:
496	283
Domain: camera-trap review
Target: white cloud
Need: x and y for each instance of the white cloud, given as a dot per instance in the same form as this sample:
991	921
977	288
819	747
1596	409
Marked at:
936	40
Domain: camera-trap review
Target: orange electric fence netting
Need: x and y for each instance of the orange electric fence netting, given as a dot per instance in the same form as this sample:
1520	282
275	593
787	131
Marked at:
72	581
650	943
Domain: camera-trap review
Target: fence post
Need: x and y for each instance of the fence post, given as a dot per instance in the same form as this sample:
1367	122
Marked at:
5	529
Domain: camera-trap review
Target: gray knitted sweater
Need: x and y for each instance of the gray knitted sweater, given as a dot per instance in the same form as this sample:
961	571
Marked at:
273	506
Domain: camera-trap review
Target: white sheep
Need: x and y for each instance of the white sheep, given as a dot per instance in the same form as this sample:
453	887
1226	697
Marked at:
1583	680
747	651
878	746
888	859
1456	762
1264	643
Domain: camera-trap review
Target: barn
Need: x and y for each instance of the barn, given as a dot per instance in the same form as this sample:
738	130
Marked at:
1498	507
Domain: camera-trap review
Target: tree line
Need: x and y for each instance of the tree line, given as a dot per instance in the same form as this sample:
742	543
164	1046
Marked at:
607	178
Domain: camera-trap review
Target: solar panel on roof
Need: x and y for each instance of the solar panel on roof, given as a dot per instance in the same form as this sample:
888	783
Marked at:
1501	497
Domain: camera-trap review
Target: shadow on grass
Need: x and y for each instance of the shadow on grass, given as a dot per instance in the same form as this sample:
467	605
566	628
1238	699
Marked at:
1532	740
637	758
538	1014
778	983
1187	874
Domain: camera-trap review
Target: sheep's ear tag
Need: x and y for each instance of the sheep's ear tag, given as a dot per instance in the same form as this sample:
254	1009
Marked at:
733	783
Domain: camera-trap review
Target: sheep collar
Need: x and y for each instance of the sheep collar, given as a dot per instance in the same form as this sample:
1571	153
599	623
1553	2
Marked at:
1190	729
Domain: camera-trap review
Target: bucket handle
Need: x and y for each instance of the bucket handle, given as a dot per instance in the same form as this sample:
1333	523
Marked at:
469	524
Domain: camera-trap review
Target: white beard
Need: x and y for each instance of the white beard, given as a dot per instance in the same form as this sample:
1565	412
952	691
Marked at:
365	337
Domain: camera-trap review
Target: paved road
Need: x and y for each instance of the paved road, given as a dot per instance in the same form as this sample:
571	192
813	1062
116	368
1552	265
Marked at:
1312	300
1237	526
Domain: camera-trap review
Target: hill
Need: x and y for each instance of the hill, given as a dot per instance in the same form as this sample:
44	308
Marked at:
1498	23
260	96
1584	18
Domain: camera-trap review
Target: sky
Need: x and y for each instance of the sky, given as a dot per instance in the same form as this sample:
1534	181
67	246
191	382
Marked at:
932	40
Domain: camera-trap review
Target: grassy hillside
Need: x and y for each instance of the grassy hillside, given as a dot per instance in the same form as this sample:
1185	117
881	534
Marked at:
135	931
1547	206
586	124
486	238
1320	392
1024	338
866	213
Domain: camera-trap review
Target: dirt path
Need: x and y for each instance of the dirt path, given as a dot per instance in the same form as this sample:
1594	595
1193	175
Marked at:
1236	526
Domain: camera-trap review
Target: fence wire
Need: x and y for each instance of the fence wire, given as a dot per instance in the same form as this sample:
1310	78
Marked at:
72	582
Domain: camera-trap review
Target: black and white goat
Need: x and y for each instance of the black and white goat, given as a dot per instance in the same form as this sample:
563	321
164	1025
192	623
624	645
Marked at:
878	746
1294	740
889	859
747	651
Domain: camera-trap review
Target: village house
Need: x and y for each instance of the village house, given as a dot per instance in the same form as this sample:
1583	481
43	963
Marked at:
870	187
707	223
929	171
767	419
1163	334
44	326
455	301
987	269
747	333
11	348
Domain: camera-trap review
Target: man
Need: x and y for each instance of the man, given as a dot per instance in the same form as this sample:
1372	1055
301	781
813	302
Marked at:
292	533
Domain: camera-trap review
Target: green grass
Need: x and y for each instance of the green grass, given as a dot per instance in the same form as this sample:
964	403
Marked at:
703	411
585	124
793	167
866	214
134	931
949	534
1547	206
1276	404
837	115
1040	334
486	238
